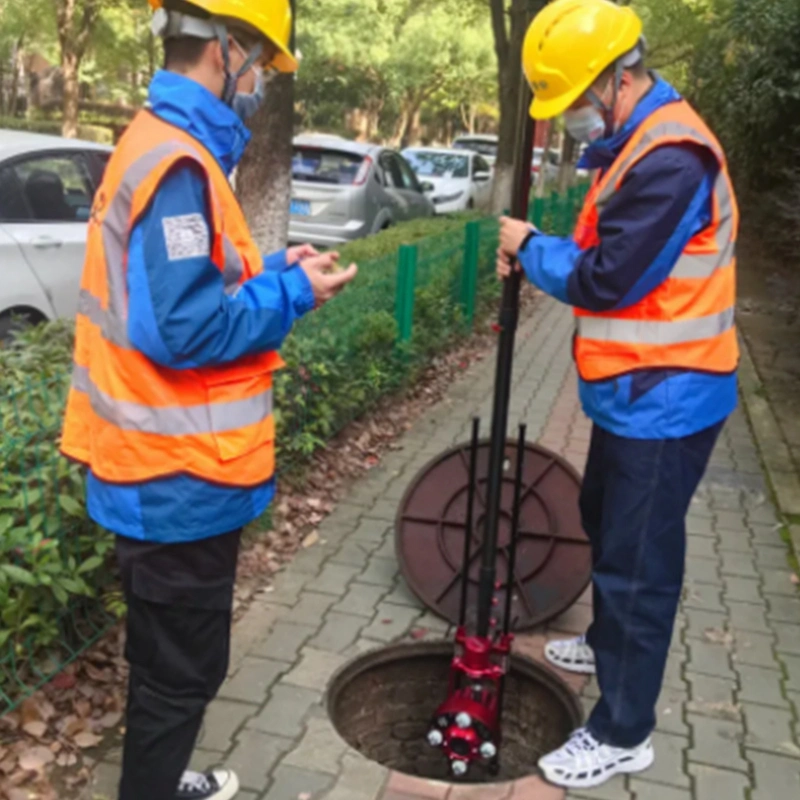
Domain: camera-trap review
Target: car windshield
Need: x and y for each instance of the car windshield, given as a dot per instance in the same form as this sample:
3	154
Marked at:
437	165
477	146
323	165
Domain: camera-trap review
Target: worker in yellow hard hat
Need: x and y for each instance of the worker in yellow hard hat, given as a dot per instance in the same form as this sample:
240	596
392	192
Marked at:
651	274
171	406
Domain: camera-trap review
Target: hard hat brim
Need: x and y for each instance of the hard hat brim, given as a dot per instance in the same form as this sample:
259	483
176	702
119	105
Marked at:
284	61
549	109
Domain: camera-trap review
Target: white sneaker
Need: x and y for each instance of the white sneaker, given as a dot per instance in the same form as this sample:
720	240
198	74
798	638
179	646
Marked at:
219	784
573	655
583	762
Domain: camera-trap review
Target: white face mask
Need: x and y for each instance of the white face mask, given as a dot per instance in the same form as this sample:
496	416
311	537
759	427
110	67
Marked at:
585	125
245	104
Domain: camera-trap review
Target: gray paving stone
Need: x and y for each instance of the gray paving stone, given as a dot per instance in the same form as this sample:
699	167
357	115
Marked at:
334	579
760	685
769	557
401	595
380	572
703	570
769	729
642	790
738	565
255	756
719	784
338	632
700	525
779	581
747	616
223	718
314	670
669	712
764	514
698	622
706	658
384	510
742	590
387	548
284	712
203	759
311	608
733	542
359	780
252	681
703	597
792	665
285	640
776	777
730	521
754	648
361	600
783	609
712	697
290	783
765	534
716	742
310	561
788	637
700	547
615	789
320	747
391	622
372	530
286	588
668	766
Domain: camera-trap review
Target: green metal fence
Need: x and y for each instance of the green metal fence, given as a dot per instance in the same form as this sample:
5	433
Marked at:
58	591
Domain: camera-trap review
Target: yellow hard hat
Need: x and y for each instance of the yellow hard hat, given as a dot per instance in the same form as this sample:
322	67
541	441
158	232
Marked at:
567	47
271	18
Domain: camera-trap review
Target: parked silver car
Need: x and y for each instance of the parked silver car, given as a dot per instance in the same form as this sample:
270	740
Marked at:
344	190
46	189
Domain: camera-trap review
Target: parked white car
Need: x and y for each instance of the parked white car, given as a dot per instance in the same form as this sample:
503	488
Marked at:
46	190
455	180
484	144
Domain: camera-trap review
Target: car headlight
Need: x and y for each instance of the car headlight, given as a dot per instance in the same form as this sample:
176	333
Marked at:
447	198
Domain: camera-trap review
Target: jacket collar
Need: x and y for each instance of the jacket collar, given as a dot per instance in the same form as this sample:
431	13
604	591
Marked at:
602	153
187	105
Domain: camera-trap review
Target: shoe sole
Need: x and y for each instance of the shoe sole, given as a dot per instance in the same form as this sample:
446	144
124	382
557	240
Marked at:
229	790
580	669
642	762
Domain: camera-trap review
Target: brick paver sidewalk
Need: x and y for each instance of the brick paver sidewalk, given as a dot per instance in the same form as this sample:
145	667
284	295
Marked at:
728	715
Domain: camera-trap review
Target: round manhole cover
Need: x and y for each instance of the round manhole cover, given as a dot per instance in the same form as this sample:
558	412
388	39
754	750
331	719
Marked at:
383	702
553	556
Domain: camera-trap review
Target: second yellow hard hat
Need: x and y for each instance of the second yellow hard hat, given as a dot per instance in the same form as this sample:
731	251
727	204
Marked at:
567	47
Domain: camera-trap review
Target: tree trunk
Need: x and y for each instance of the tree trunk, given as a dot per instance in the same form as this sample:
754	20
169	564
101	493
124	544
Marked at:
264	178
567	169
508	47
16	70
70	62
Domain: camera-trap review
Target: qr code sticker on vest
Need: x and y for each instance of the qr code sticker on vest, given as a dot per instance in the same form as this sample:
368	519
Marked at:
186	236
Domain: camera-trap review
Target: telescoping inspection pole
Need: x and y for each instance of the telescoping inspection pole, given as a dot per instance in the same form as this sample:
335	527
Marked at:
507	328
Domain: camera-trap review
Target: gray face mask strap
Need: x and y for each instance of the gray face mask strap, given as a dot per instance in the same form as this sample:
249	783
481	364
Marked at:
229	89
608	111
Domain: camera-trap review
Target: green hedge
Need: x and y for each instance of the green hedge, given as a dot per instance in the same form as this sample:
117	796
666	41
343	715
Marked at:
91	133
56	593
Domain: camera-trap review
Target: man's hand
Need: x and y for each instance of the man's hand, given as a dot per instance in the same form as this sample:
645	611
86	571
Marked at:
504	264
513	233
295	255
326	283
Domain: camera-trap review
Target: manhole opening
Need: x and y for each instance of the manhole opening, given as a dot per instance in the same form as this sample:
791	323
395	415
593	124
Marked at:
382	704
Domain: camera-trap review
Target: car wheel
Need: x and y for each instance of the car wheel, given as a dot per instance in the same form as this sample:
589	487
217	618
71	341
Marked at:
12	322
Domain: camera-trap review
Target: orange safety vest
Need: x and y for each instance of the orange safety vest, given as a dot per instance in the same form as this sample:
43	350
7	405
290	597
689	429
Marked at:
688	321
129	419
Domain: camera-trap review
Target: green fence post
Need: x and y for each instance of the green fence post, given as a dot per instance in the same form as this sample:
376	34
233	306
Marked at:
469	270
404	302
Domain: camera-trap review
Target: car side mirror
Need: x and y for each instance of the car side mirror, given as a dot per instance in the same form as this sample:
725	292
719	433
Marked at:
426	187
482	177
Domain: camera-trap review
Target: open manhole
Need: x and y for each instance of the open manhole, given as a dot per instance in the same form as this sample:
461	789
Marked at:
382	704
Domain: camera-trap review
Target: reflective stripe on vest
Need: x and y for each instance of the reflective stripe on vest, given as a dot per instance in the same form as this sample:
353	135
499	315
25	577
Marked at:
173	420
688	320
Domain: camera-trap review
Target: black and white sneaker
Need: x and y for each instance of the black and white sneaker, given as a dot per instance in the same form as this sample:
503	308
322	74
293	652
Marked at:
219	784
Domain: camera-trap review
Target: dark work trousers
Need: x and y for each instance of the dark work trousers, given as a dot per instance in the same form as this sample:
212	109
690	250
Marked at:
635	497
179	599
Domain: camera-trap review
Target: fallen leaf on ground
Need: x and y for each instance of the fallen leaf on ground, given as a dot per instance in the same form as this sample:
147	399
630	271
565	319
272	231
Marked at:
87	739
311	539
36	759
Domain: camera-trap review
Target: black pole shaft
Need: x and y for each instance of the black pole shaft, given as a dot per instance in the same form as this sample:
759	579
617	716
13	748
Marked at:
473	462
512	549
509	312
